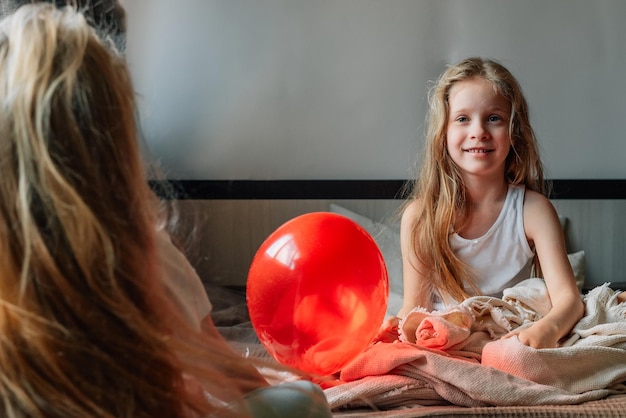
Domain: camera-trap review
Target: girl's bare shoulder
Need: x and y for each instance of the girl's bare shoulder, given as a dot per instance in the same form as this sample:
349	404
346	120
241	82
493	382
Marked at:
539	214
536	201
411	210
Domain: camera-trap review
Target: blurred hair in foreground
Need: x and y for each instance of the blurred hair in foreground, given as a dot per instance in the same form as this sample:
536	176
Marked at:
87	327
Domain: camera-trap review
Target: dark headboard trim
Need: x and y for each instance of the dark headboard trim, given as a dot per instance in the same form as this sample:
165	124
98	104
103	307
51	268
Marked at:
589	189
353	189
285	189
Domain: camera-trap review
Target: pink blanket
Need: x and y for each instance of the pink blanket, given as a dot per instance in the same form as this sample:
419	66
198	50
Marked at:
458	357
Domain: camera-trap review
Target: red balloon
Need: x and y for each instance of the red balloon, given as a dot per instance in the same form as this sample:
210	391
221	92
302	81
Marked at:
317	292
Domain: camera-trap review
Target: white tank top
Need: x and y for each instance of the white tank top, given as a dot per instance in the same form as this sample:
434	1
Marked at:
502	257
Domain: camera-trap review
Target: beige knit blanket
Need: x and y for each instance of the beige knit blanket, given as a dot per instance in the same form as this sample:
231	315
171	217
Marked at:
459	357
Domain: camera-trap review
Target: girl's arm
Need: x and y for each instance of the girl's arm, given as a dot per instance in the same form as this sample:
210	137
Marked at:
543	229
416	291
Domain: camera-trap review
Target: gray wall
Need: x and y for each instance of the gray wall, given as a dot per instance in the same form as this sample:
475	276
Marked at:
336	89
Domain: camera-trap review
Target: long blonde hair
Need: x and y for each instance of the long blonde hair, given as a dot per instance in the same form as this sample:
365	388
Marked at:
439	186
86	327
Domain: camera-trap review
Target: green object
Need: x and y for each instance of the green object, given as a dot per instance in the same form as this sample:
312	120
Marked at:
301	399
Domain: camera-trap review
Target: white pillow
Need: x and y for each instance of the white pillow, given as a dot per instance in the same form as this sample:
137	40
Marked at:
576	259
387	238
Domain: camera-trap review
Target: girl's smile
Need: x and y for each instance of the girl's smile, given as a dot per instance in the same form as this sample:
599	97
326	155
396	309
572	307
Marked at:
479	150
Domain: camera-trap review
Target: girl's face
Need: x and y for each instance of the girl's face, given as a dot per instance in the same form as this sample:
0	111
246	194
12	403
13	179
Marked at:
478	128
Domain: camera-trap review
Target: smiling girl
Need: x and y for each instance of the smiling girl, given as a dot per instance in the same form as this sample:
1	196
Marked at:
478	218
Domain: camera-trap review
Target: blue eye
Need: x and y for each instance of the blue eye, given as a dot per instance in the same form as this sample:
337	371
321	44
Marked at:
462	119
494	118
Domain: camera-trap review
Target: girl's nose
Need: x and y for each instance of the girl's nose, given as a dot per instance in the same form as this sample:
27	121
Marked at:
478	130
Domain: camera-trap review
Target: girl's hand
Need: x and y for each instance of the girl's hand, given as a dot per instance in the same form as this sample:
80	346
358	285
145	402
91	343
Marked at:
538	335
388	331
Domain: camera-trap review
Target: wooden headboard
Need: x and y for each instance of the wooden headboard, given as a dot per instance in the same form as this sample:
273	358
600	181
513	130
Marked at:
224	222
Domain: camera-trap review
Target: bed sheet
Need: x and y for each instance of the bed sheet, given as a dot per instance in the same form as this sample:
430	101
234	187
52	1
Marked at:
230	316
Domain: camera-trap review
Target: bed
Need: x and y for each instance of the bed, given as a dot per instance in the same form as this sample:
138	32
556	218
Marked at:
227	221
